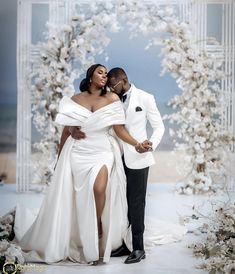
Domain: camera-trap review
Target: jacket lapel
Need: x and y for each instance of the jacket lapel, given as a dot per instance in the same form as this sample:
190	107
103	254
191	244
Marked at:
133	100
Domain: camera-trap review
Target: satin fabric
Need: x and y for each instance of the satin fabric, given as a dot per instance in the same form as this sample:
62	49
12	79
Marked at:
66	226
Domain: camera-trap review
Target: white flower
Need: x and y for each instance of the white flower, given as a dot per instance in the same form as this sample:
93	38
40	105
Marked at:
43	103
8	228
14	251
106	19
74	43
7	219
9	258
4	244
63	53
66	28
80	41
108	5
184	220
52	107
4	233
197	147
230	269
188	191
114	27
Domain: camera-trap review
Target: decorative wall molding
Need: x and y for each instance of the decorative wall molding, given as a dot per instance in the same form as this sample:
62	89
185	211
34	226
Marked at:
23	154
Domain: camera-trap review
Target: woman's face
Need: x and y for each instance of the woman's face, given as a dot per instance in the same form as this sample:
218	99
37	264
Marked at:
99	77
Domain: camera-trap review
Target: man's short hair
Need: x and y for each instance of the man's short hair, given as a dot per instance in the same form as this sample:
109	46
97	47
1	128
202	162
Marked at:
117	73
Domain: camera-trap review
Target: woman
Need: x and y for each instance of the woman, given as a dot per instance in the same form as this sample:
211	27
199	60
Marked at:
84	214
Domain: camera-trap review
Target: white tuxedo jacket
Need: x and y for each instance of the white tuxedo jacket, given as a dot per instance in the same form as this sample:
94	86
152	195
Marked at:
142	109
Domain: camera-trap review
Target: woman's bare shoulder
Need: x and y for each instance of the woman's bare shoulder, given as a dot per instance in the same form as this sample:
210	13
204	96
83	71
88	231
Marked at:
79	96
112	97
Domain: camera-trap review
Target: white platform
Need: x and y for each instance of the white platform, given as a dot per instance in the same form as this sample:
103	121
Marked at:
162	203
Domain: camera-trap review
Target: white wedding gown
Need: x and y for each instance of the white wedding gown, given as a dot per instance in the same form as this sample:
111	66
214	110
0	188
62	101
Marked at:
66	226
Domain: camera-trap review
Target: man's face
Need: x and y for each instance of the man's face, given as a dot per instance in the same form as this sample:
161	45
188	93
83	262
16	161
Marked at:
116	85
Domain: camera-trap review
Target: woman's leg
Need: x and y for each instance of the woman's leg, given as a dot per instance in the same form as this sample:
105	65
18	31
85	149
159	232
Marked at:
99	192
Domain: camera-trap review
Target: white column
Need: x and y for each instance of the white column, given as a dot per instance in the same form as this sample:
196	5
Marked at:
23	151
228	44
60	11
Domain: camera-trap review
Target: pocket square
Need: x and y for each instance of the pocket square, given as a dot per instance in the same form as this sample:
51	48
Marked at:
138	109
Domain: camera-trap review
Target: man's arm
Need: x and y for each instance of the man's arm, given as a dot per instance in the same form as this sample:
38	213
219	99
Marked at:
155	120
124	135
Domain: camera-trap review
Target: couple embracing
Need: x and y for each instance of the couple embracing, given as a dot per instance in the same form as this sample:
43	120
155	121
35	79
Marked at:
94	207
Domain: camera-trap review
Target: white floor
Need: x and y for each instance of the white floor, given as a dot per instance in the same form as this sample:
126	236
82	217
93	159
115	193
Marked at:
162	203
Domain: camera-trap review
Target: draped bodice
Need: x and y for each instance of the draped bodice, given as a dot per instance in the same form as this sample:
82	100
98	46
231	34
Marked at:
95	124
74	114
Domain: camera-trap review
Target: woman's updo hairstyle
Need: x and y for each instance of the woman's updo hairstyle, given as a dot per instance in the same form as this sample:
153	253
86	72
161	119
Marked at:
86	82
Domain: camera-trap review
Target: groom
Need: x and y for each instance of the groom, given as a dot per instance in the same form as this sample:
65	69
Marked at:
140	108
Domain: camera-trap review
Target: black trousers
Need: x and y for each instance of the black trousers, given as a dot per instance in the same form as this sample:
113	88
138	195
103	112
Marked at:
136	193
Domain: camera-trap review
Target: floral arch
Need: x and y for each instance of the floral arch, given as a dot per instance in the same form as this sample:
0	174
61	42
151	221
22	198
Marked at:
199	109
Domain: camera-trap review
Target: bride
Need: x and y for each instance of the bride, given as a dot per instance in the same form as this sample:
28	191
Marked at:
84	214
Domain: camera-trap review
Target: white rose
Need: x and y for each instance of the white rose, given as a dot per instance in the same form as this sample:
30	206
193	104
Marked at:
74	43
15	251
4	233
80	41
63	53
8	228
7	219
188	191
114	27
108	5
105	19
52	107
4	244
9	258
229	269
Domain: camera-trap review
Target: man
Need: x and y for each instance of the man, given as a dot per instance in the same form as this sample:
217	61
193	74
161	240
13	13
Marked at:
140	108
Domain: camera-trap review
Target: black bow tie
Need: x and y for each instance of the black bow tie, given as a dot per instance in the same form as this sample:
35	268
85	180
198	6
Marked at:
124	98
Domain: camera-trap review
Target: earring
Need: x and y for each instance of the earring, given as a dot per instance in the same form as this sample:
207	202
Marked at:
90	80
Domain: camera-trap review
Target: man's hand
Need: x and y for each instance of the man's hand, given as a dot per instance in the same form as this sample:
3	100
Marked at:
76	133
144	147
148	145
139	148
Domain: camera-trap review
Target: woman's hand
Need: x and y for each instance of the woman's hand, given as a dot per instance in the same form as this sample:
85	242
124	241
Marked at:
76	133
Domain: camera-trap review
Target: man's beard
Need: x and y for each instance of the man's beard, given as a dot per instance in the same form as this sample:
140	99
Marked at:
121	94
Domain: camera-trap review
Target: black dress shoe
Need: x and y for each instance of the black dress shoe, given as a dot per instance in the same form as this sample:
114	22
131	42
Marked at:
135	257
121	251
